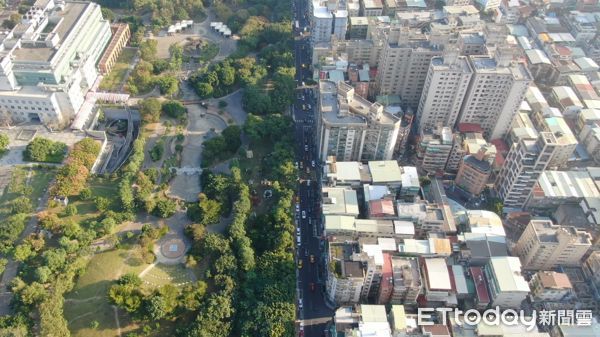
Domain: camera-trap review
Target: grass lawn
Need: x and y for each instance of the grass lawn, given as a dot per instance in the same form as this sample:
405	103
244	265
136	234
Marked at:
115	78
251	170
35	178
163	274
88	301
86	209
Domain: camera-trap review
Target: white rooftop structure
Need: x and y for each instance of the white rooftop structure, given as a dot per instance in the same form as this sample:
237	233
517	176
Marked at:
375	192
338	200
507	270
373	322
385	171
405	228
437	274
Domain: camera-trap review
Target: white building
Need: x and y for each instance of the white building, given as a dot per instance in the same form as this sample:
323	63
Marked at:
444	90
351	128
497	89
48	61
544	245
328	17
525	161
404	65
506	285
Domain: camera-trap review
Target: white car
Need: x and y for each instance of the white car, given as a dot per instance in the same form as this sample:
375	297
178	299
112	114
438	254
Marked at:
300	304
303	214
298	231
312	163
297	208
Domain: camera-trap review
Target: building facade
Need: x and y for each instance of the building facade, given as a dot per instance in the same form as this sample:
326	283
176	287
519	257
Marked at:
494	96
445	87
351	128
544	245
524	163
48	61
328	18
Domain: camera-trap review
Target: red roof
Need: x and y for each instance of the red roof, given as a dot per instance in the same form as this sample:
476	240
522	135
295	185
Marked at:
483	296
469	127
381	207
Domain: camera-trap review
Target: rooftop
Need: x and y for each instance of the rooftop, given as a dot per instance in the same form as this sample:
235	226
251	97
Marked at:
337	200
438	276
39	52
507	271
548	232
385	171
554	280
566	184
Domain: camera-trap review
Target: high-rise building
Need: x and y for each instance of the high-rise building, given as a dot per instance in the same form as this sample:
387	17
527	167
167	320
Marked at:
328	17
544	245
404	65
351	128
48	61
494	96
444	90
524	163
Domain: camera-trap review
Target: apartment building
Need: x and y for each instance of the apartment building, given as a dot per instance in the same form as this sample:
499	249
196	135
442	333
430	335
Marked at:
346	277
494	96
351	128
550	286
475	167
404	65
506	286
406	280
434	147
328	18
447	82
524	163
544	245
48	61
566	142
371	7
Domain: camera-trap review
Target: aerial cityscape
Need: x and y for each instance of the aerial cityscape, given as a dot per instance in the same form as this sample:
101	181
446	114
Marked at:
282	168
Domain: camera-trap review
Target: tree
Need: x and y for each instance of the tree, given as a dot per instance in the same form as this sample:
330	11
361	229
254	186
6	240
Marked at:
33	293
22	252
21	204
45	150
150	110
50	222
12	21
102	204
165	208
85	194
204	90
174	109
168	85
210	210
42	274
126	297
148	50
192	294
232	134
156	307
70	210
4	141
55	258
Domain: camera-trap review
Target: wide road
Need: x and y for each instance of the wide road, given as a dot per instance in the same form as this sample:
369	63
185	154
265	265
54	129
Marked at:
313	313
